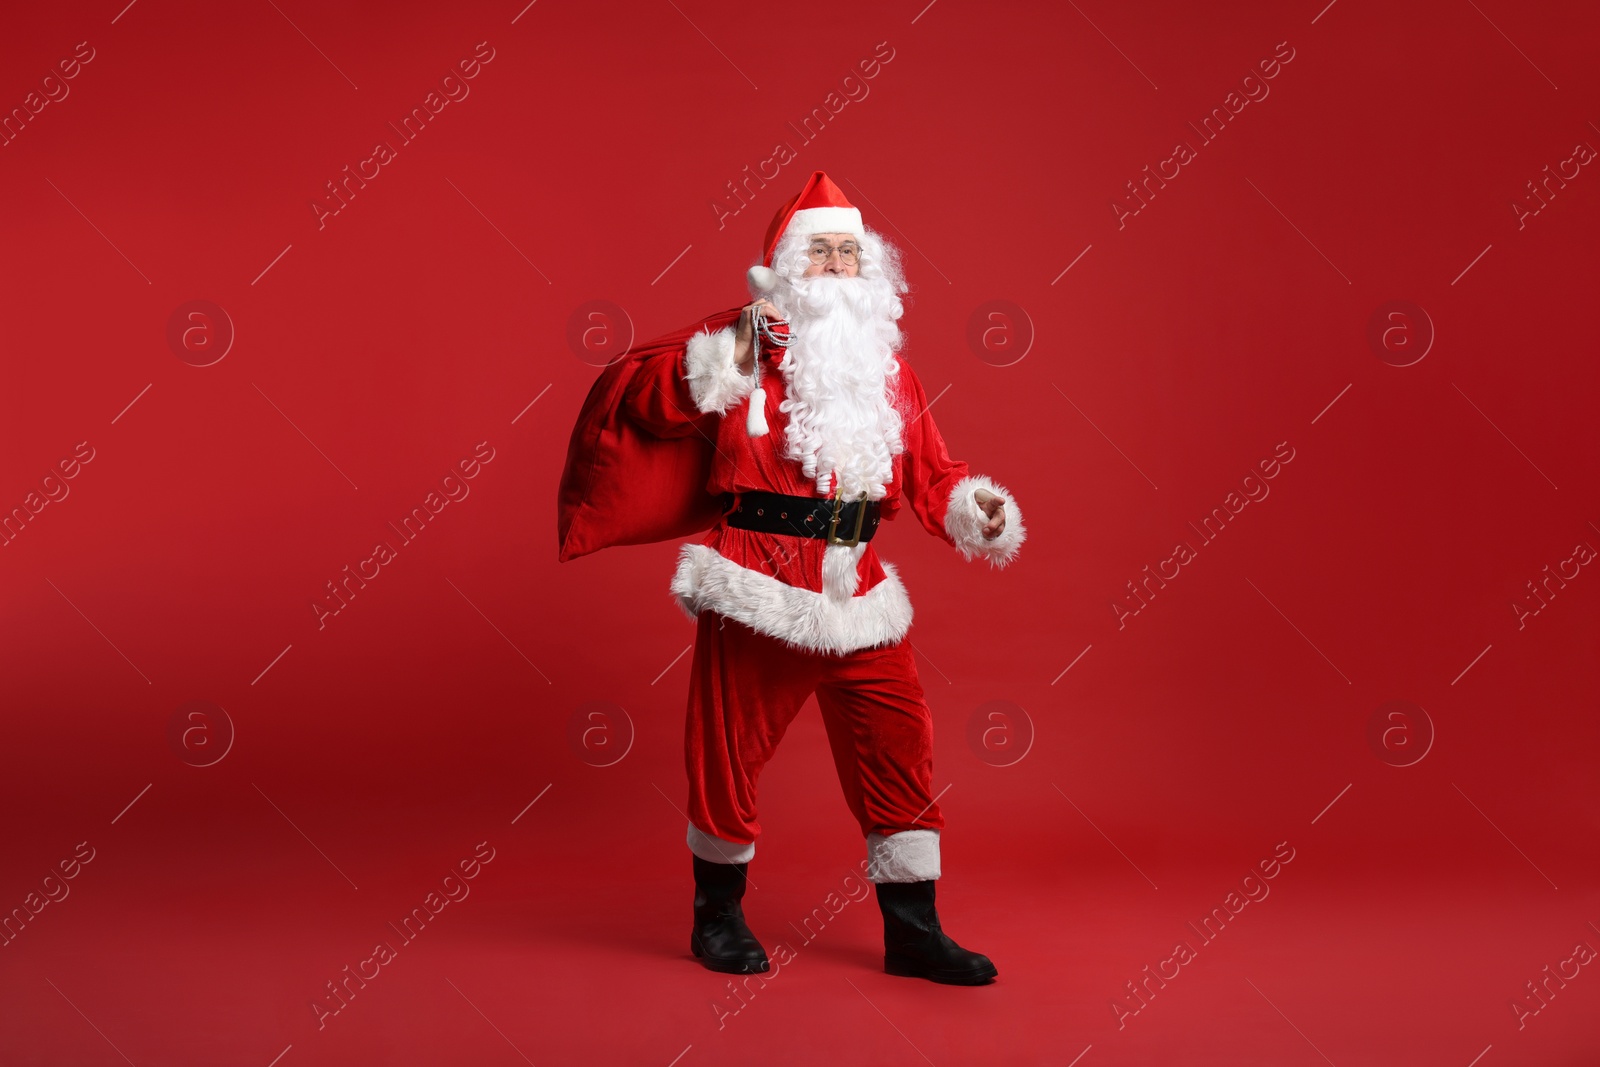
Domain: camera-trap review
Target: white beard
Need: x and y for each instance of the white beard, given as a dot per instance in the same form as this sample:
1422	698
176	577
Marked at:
839	377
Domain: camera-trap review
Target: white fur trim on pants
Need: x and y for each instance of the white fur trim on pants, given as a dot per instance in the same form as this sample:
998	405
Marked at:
716	850
801	618
715	381
964	521
909	856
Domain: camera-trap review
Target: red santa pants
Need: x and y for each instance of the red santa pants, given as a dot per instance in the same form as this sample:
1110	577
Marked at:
745	689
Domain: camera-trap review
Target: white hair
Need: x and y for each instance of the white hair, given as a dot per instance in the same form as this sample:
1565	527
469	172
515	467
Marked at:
879	258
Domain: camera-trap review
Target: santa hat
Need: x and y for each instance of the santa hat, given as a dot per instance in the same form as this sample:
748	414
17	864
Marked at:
819	207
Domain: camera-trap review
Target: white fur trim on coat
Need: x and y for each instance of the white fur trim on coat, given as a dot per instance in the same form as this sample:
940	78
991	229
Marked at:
908	856
964	521
715	381
801	618
716	850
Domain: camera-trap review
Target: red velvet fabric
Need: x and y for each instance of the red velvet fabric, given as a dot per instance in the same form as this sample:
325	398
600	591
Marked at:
745	689
657	400
645	465
624	485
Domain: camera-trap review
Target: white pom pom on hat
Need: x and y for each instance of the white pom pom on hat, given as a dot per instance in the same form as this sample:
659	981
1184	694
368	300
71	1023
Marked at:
762	279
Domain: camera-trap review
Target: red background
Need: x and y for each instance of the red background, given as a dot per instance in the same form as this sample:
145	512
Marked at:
373	353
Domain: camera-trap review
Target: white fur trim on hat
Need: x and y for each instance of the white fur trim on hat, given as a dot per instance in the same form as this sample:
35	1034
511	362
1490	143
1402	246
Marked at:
826	220
908	856
715	381
964	521
716	850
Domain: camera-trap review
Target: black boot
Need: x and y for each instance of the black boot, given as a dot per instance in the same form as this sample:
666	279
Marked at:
915	947
721	940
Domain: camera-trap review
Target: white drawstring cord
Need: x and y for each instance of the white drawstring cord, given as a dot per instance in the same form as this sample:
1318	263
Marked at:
756	417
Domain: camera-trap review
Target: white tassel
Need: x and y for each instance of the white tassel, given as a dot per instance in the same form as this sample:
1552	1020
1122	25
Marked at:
756	418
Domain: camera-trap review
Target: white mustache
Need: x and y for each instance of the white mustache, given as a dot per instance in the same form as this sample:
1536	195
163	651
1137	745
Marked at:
826	295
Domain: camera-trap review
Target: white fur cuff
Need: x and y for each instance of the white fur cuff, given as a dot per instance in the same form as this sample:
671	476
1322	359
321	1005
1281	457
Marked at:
909	856
964	521
715	381
716	850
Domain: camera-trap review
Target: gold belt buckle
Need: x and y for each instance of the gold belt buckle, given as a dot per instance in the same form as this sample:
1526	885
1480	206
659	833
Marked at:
833	525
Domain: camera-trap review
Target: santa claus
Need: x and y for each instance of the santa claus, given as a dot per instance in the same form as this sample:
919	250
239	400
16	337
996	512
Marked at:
792	427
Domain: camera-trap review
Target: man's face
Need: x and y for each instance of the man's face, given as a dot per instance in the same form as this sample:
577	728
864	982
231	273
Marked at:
834	253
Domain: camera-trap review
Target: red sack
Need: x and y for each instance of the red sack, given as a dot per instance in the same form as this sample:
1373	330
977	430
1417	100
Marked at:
622	485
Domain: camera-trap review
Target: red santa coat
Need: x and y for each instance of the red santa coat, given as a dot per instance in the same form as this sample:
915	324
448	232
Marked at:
687	390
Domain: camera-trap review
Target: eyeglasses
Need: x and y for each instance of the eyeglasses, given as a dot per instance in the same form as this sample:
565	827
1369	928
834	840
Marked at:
822	251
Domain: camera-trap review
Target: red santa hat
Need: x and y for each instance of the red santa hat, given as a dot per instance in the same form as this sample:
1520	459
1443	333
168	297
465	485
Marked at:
819	207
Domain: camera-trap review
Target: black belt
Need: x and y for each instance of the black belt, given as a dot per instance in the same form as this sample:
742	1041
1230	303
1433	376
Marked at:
839	522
